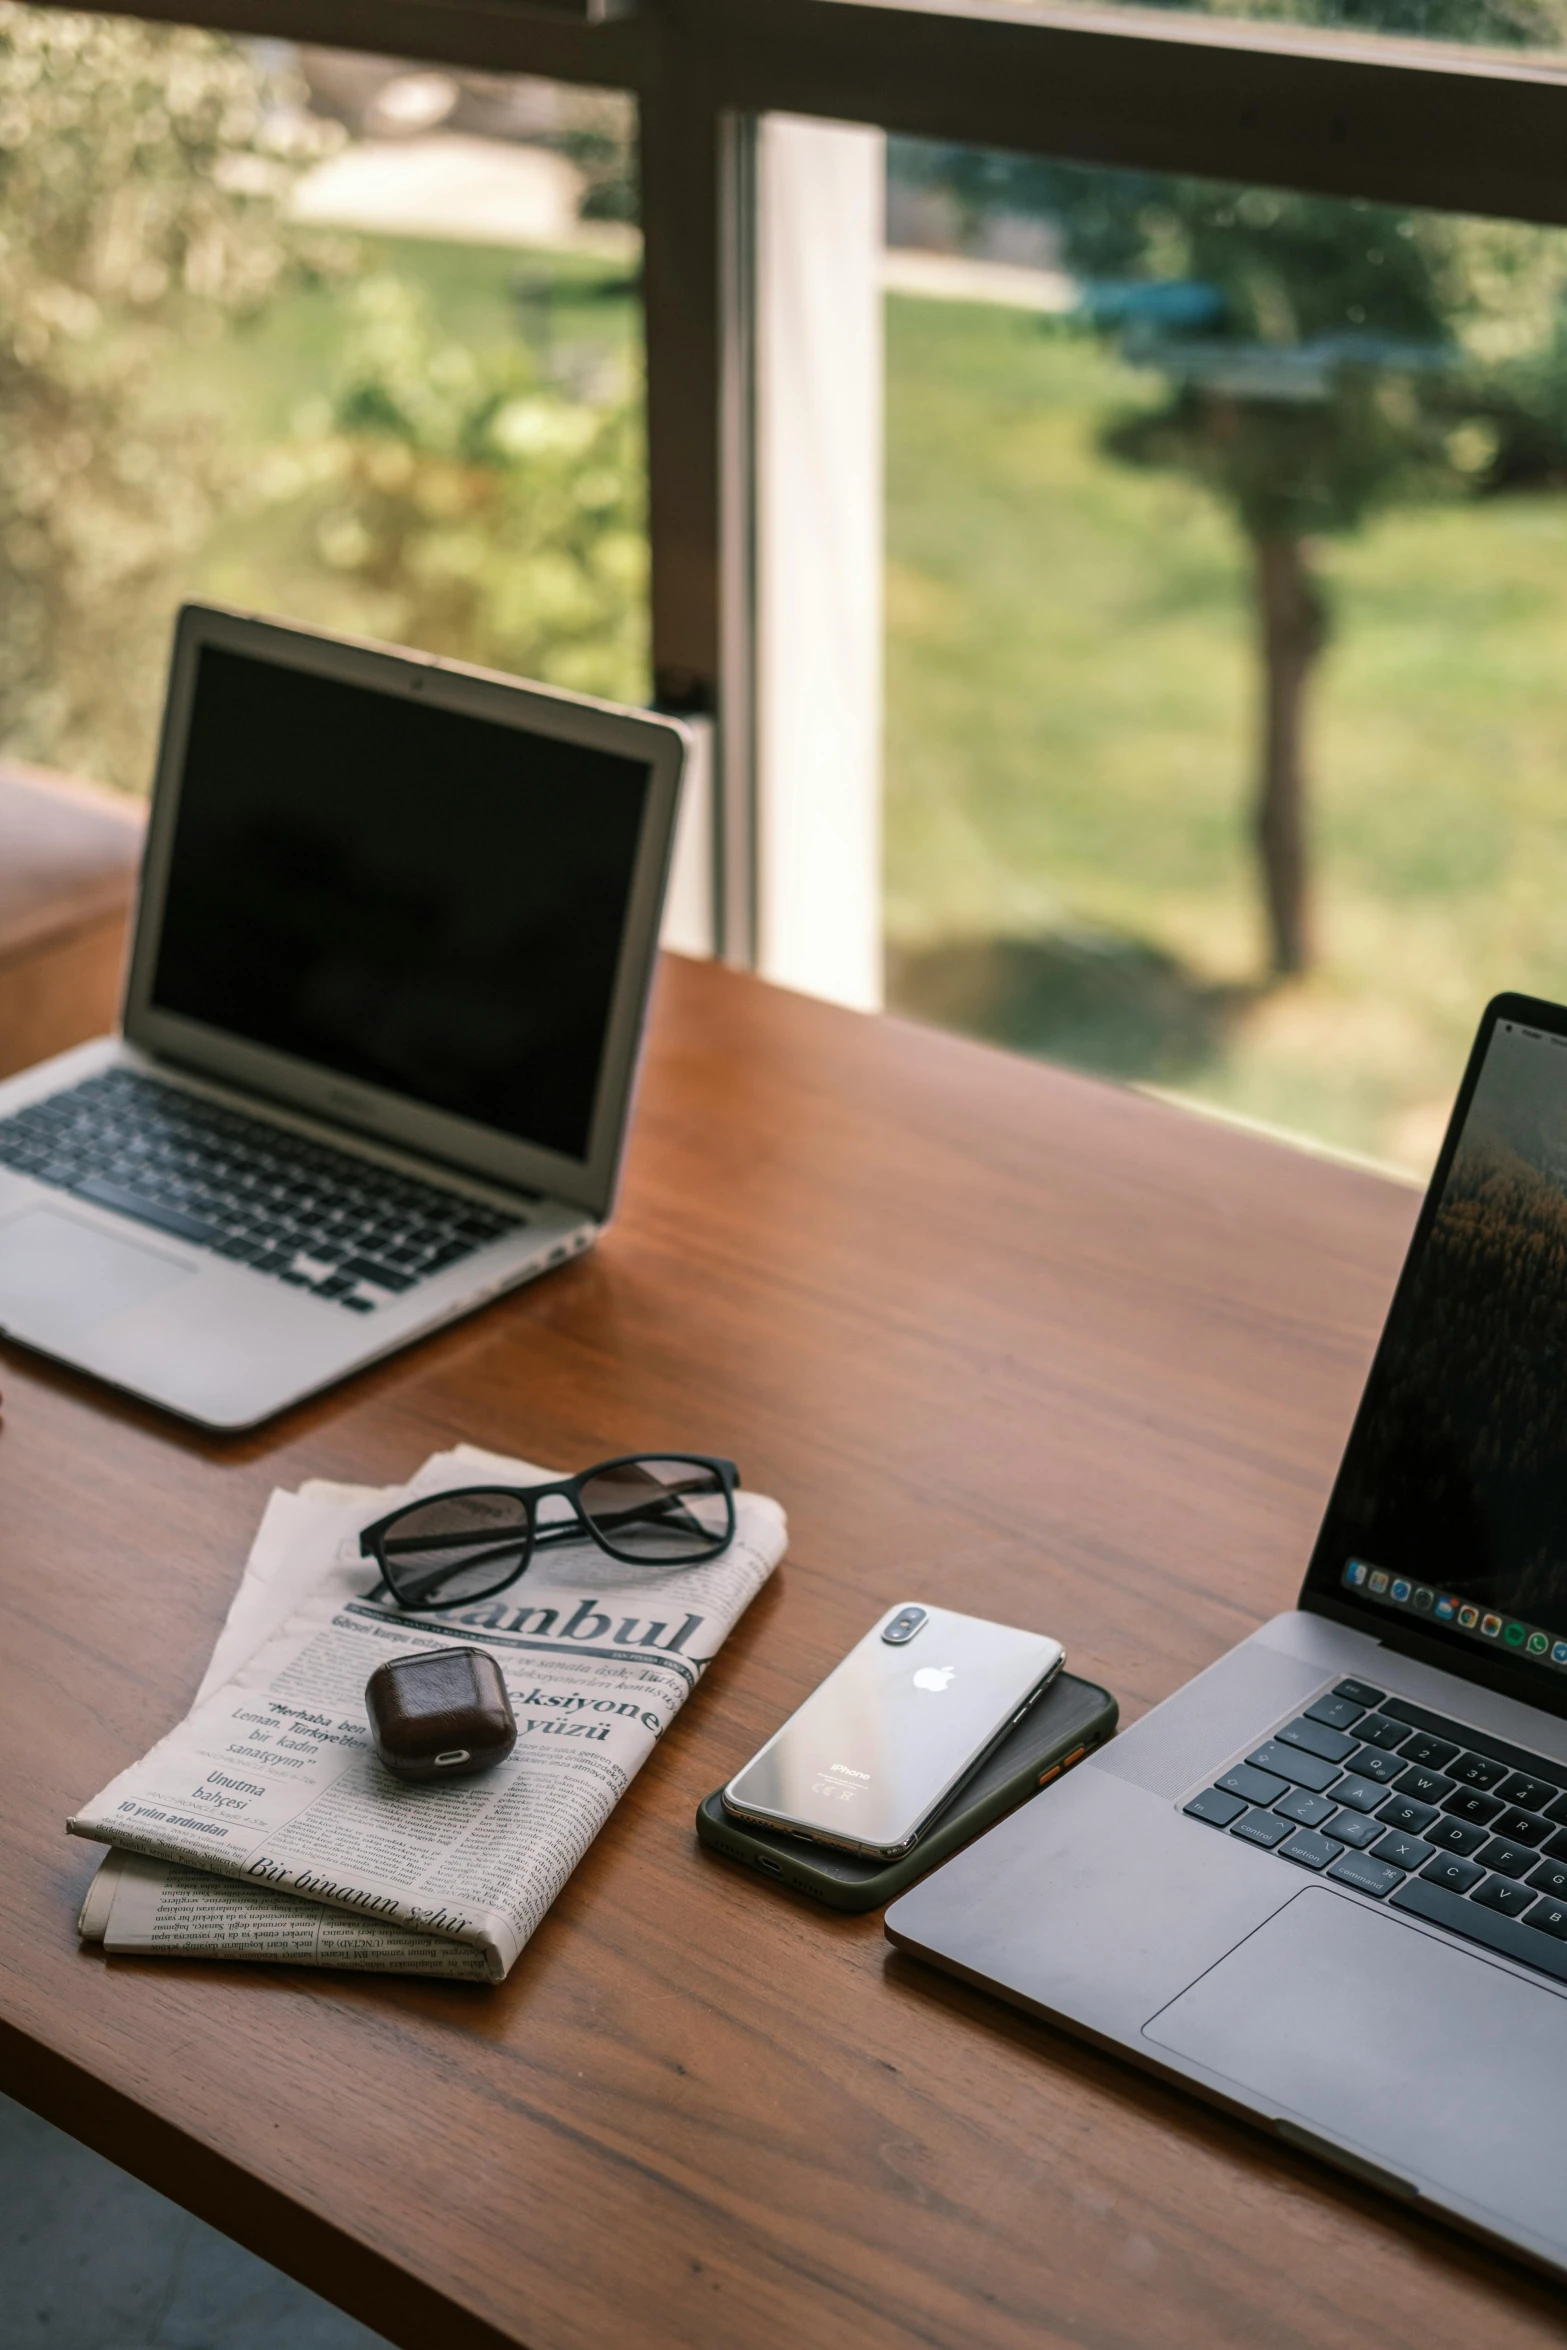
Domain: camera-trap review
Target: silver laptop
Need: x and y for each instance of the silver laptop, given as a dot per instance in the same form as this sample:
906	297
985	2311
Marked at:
391	959
1326	1883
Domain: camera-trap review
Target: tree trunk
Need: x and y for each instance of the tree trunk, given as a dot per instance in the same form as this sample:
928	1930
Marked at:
1294	629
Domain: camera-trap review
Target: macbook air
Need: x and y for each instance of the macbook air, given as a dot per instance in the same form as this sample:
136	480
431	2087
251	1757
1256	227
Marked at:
389	970
1326	1883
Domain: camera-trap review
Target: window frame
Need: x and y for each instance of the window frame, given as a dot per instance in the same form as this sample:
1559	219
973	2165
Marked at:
1338	114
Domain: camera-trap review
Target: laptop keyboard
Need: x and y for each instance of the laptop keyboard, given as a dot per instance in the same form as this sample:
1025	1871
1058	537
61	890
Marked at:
1457	1828
320	1219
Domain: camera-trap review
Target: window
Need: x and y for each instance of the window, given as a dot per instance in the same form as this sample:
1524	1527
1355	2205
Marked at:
1452	113
336	336
1227	581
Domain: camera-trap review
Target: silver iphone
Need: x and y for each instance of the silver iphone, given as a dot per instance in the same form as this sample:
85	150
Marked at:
895	1730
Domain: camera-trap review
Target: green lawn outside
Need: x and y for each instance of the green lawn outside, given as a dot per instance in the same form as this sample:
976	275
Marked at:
1069	724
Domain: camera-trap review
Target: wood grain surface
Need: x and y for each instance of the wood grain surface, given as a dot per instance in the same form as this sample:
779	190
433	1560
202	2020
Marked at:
996	1336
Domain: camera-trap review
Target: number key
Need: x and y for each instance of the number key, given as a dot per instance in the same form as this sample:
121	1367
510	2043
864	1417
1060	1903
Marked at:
1529	1794
1382	1730
1433	1753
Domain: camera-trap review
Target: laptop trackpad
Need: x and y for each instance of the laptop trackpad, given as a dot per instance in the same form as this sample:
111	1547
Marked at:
1434	2064
60	1277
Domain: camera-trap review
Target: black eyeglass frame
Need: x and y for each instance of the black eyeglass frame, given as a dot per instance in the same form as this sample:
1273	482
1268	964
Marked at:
373	1539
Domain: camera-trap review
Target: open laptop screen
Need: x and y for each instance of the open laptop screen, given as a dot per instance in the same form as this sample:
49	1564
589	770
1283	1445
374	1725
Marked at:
404	895
1450	1510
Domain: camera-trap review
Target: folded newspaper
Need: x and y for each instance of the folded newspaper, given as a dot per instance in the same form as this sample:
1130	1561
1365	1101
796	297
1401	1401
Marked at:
264	1827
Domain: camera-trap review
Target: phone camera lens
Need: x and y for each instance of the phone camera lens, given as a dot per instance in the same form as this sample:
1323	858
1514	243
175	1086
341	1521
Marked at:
904	1625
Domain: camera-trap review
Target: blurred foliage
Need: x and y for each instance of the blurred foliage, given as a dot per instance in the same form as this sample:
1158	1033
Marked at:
141	172
466	500
598	134
470	505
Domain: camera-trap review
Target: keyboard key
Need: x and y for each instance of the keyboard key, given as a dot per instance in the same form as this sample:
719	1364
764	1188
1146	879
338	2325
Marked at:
1358	1691
1451	1835
1457	1875
1433	1753
1309	1851
1369	1762
1262	1827
1292	1763
1218	1810
1335	1713
384	1276
1425	1786
1514	1937
1509	1860
1521	1827
1251	1785
1378	1730
1354	1828
1469	1804
1405	1852
1550	1877
144	1210
1477	1770
1305	1809
1501	1893
1557	1811
1556	1847
1549	1916
1400	1812
1365	1874
1359	1794
1529	1794
1314	1738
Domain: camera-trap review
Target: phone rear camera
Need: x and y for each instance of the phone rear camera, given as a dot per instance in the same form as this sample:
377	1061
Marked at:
904	1625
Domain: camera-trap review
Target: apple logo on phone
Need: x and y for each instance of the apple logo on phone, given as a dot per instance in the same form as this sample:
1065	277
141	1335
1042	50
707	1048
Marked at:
934	1676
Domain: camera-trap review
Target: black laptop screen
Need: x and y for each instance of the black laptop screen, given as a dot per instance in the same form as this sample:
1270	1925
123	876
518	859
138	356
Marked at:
1450	1510
422	901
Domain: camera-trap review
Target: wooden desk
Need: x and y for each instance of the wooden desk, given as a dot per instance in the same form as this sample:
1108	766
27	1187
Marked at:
994	1335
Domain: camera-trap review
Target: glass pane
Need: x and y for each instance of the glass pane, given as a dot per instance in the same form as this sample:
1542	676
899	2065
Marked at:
332	336
1227	606
1492	24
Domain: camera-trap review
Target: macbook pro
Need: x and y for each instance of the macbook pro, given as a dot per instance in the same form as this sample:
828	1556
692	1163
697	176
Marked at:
1326	1883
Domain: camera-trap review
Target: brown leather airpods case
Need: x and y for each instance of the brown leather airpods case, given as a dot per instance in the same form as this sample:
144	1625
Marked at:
440	1715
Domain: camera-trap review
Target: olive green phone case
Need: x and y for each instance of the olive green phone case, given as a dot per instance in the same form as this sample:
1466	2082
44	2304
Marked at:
1070	1720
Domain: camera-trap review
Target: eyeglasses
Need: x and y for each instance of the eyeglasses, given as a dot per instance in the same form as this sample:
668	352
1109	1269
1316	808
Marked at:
648	1509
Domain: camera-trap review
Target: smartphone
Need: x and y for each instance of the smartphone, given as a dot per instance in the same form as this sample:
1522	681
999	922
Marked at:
1069	1721
893	1731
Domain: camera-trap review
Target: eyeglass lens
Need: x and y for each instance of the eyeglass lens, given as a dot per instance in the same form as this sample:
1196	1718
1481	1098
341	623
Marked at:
659	1509
456	1546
